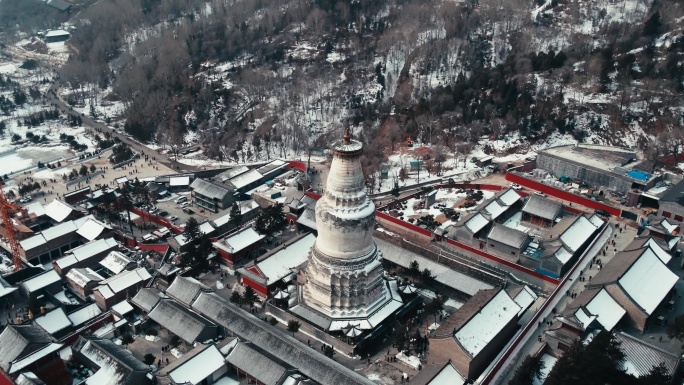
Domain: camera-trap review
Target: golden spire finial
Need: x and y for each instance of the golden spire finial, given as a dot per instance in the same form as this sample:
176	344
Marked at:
346	139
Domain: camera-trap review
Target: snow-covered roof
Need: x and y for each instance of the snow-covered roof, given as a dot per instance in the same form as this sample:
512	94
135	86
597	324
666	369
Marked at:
509	197
448	376
62	5
6	288
669	226
61	230
92	228
58	210
32	242
122	308
179	181
654	245
648	281
123	281
41	280
233	172
206	228
85	251
36	208
475	334
18	341
245	207
596	220
578	233
525	298
199	367
493	209
308	218
584	318
563	254
114	364
115	262
281	263
57	32
29	378
508	236
83	276
33	357
441	273
542	207
54	321
245	179
84	314
476	223
608	312
239	241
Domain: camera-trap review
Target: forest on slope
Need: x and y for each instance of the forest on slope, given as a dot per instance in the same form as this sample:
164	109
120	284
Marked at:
252	79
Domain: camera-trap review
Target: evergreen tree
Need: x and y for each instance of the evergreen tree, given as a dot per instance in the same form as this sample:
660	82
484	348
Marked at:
676	329
525	374
192	230
236	298
328	351
272	219
435	306
126	339
653	26
657	376
293	326
250	296
596	364
149	359
235	214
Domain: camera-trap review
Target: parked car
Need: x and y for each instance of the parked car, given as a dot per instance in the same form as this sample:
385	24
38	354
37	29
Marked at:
173	218
602	213
163	213
541	194
182	199
185	204
516	186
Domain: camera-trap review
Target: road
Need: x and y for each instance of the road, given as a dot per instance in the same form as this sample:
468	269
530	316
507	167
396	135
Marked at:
52	97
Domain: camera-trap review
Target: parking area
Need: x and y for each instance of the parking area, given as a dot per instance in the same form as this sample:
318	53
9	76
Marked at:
171	208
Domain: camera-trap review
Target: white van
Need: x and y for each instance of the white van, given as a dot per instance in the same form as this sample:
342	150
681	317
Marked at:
182	199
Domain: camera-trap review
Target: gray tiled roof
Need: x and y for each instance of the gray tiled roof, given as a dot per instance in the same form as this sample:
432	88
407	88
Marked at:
442	273
185	289
255	364
308	218
309	362
211	190
542	207
147	298
642	356
17	341
181	321
507	236
62	5
127	369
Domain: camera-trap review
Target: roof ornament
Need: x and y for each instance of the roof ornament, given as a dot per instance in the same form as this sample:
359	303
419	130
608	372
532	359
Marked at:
346	139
